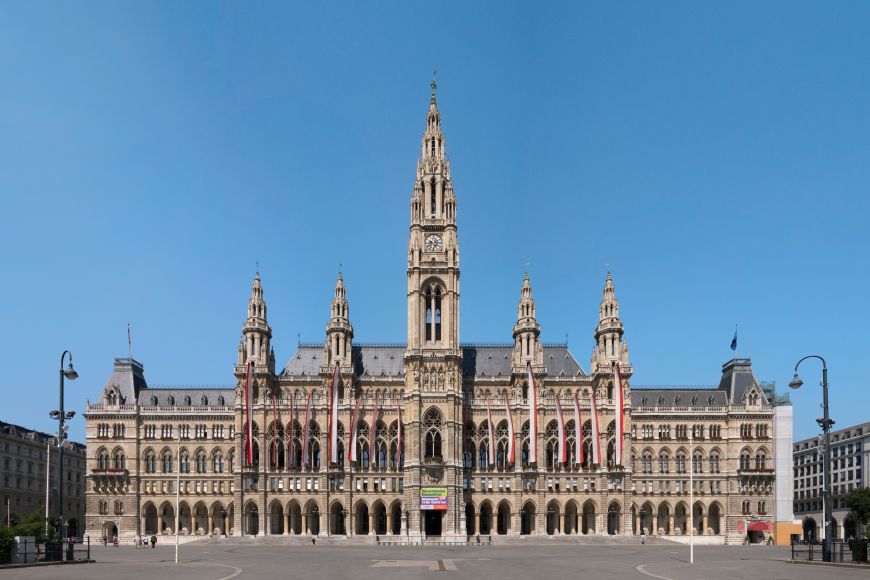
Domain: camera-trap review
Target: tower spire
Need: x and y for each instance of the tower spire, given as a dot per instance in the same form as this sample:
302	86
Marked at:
339	331
527	331
610	346
256	333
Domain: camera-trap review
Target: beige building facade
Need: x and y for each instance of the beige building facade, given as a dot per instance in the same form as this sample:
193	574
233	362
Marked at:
428	464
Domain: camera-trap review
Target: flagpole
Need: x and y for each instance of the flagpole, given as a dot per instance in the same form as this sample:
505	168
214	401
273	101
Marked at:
691	500
177	492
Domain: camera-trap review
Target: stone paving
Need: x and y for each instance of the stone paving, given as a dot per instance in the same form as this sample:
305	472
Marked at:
224	560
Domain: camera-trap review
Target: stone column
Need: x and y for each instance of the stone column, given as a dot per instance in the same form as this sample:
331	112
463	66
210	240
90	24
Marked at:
389	523
561	524
210	524
305	530
655	529
474	527
703	529
159	523
371	523
493	524
227	524
671	523
286	523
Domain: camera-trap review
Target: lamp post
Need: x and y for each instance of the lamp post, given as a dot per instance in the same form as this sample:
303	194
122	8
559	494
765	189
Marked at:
825	423
62	416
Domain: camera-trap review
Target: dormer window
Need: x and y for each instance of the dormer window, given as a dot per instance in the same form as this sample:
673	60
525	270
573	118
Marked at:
153	399
187	400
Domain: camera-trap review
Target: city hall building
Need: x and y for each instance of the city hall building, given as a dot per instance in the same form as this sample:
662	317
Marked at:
451	439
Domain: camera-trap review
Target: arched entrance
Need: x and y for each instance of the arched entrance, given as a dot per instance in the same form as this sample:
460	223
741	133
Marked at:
218	519
110	530
503	525
681	519
184	519
294	518
276	518
571	518
614	514
362	519
713	518
698	518
313	519
553	513
200	519
588	523
149	519
432	522
810	530
835	529
251	520
485	525
849	528
166	519
527	519
664	519
646	518
396	517
379	513
337	523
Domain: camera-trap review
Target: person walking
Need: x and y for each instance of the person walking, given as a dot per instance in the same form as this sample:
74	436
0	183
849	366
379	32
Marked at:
136	541
643	538
153	541
105	540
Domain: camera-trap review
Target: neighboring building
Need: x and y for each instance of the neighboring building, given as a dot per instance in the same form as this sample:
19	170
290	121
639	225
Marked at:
436	473
22	458
850	451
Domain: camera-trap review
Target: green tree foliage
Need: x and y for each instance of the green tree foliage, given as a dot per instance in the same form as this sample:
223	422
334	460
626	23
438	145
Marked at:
33	524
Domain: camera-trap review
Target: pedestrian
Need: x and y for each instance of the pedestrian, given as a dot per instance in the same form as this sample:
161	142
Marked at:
313	541
115	541
643	538
153	541
136	541
105	540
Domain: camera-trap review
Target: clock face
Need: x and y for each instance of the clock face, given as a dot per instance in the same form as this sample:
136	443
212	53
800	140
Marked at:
433	243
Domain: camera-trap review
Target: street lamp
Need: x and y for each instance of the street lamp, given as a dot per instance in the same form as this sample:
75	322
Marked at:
62	416
825	423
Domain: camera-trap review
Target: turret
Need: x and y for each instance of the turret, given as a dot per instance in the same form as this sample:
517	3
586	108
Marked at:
256	332
527	331
609	345
339	331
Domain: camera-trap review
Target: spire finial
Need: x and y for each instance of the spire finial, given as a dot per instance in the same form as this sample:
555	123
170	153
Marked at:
258	270
434	86
339	271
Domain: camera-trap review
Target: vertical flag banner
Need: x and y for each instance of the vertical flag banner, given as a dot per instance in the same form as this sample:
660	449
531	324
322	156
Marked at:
490	449
619	412
305	431
533	417
373	433
563	449
291	461
354	429
596	440
578	433
399	437
333	415
510	453
249	419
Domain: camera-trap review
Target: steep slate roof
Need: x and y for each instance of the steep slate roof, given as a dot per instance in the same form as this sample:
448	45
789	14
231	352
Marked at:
161	396
388	360
737	377
127	379
677	397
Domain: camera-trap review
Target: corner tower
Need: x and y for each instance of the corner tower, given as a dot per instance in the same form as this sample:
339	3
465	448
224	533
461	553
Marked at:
527	331
256	342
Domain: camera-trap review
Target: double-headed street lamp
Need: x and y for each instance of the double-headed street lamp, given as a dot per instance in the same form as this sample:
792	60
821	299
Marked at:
61	417
825	423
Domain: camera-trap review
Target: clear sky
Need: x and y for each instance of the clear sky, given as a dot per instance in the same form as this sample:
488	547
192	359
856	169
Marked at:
715	155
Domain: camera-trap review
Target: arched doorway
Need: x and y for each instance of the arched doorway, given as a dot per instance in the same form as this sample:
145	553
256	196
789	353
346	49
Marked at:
149	519
503	524
553	513
313	519
361	516
294	518
166	519
379	511
337	523
713	518
614	514
252	519
110	530
200	519
681	519
396	517
218	519
571	517
698	518
276	518
184	519
231	519
664	519
485	525
635	521
527	519
835	529
810	530
646	518
588	523
470	519
849	528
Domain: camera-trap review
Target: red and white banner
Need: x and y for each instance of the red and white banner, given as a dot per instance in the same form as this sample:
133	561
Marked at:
274	433
305	431
578	433
490	448
373	434
333	415
510	454
560	420
399	436
354	429
291	436
533	417
249	416
618	403
596	440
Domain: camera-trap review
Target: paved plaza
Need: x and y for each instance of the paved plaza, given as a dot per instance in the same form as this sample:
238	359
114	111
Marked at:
231	559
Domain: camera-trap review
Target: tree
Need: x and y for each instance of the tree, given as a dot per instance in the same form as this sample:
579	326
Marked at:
858	502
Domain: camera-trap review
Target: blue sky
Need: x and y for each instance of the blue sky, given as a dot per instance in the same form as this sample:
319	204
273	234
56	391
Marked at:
715	155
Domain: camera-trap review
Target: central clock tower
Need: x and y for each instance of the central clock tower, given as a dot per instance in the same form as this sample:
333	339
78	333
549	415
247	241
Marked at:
433	359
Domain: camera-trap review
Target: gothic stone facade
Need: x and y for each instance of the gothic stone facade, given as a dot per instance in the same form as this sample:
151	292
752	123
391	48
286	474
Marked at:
139	437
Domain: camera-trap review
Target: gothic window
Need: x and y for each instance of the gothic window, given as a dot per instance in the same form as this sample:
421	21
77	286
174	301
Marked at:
698	462
610	391
432	425
231	460
744	460
118	460
102	459
680	461
761	459
166	461
646	462
184	462
571	442
664	461
552	443
611	444
587	444
150	462
429	314
469	455
438	314
714	462
201	461
217	462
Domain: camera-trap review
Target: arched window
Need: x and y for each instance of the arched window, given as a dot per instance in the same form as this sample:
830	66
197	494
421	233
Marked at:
429	313
166	461
698	462
102	459
432	425
150	462
231	460
184	462
761	459
524	448
201	462
438	314
646	462
714	462
552	445
744	460
118	460
664	461
217	463
680	461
